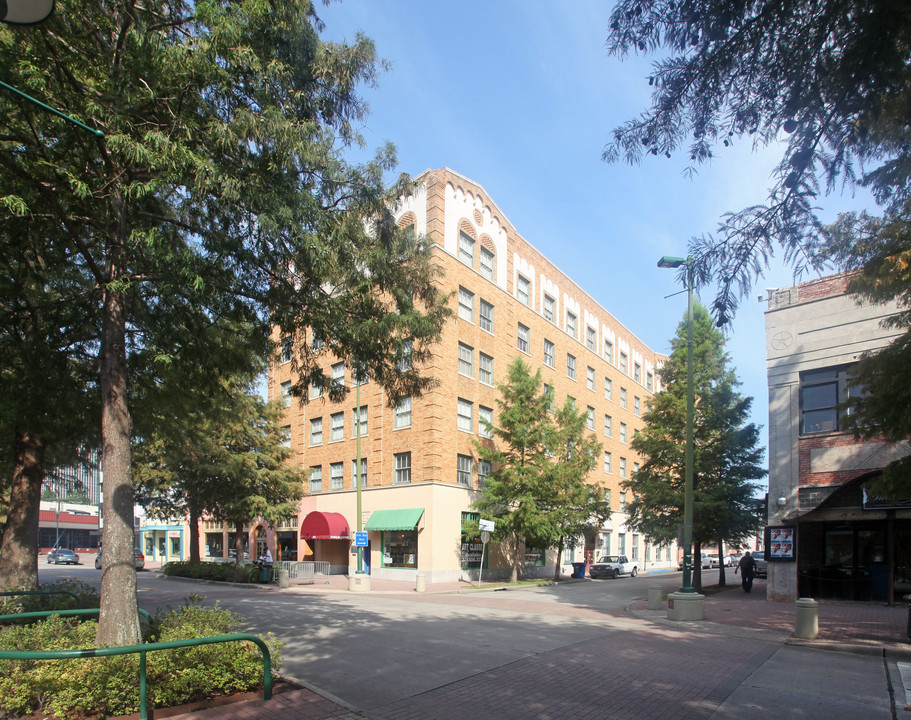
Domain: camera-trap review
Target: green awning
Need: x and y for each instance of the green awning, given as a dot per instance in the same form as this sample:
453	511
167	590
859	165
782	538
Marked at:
406	519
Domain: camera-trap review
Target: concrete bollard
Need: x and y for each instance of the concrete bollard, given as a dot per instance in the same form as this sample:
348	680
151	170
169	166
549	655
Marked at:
654	597
420	582
284	578
807	618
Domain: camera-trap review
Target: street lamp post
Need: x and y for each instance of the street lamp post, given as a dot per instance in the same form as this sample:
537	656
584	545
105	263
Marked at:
357	475
676	262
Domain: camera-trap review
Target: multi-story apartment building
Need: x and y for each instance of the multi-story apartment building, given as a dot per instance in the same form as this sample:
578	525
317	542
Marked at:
419	468
827	537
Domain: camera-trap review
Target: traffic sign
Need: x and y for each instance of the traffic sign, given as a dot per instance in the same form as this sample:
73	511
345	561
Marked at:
360	539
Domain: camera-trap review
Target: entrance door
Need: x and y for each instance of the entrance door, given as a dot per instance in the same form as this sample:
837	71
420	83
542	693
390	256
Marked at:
367	558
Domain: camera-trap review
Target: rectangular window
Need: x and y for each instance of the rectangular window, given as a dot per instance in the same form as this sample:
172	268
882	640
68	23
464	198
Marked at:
621	543
570	367
637	373
623	432
316	479
465	469
359	415
404	362
591	338
548	308
363	472
608	426
637	406
549	394
590	378
315	343
590	418
338	374
466	360
548	353
484	469
485	422
635	468
487	267
649	381
466	249
523	290
286	393
486	316
287	349
316	431
635	552
315	391
608	389
485	369
622	502
609	351
286	436
337	476
336	427
623	467
820	393
623	398
608	461
402	468
623	364
522	340
571	324
466	304
403	413
466	415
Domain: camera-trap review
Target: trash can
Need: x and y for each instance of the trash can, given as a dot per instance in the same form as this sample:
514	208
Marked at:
579	569
284	579
265	574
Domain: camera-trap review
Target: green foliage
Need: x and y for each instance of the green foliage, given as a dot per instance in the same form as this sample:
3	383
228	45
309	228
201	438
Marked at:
834	75
222	572
110	686
537	489
726	456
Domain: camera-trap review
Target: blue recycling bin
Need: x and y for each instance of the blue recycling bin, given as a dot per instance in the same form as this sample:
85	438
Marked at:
579	569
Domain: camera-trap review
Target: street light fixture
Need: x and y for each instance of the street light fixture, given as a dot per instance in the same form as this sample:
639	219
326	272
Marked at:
676	262
25	12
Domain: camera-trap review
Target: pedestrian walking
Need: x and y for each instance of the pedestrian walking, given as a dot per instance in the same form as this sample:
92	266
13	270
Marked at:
747	568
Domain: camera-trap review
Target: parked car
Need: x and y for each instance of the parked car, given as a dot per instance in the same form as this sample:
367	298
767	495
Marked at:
713	561
613	566
62	555
138	557
762	565
732	559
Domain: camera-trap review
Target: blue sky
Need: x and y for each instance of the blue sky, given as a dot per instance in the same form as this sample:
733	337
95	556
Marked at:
521	97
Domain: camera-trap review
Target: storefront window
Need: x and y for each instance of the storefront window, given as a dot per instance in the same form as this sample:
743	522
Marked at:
400	548
214	546
534	557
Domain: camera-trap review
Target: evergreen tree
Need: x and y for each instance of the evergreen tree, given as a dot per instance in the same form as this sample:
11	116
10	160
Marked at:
726	459
832	76
216	195
578	507
537	489
515	492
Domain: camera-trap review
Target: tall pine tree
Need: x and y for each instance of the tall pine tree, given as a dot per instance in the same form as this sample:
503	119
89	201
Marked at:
726	457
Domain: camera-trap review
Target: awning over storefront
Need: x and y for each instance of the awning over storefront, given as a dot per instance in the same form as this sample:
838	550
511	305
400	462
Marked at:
325	526
405	519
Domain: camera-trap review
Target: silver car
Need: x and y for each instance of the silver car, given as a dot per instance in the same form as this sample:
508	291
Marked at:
762	565
137	554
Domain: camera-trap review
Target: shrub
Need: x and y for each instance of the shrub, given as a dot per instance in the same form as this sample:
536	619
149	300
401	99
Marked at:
110	685
88	598
223	572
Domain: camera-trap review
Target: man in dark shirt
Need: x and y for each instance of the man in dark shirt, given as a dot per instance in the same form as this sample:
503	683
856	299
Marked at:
747	568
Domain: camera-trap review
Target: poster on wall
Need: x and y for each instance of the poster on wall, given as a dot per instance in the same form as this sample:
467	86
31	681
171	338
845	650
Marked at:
781	543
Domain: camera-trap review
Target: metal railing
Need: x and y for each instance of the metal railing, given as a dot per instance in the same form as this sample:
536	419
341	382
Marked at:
13	593
306	570
48	613
142	650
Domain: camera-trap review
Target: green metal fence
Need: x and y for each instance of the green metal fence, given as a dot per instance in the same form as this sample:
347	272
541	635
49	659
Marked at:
13	593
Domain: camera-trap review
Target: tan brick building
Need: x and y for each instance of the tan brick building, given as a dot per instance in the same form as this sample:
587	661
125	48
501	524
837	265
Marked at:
422	473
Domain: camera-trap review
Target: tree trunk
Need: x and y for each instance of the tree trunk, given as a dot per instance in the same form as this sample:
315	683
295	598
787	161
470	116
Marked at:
722	580
19	548
559	561
517	553
194	534
239	565
118	622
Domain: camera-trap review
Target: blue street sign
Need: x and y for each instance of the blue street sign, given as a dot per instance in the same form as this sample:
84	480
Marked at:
360	539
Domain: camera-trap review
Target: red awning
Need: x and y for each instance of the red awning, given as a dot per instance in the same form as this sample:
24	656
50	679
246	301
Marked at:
325	526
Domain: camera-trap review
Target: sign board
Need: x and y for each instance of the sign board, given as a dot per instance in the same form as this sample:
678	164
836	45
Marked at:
487	525
485	536
360	539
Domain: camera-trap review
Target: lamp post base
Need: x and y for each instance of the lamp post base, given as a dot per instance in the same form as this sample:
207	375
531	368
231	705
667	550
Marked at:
685	606
359	583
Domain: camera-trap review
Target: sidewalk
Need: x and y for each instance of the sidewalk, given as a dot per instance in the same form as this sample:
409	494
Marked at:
846	626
